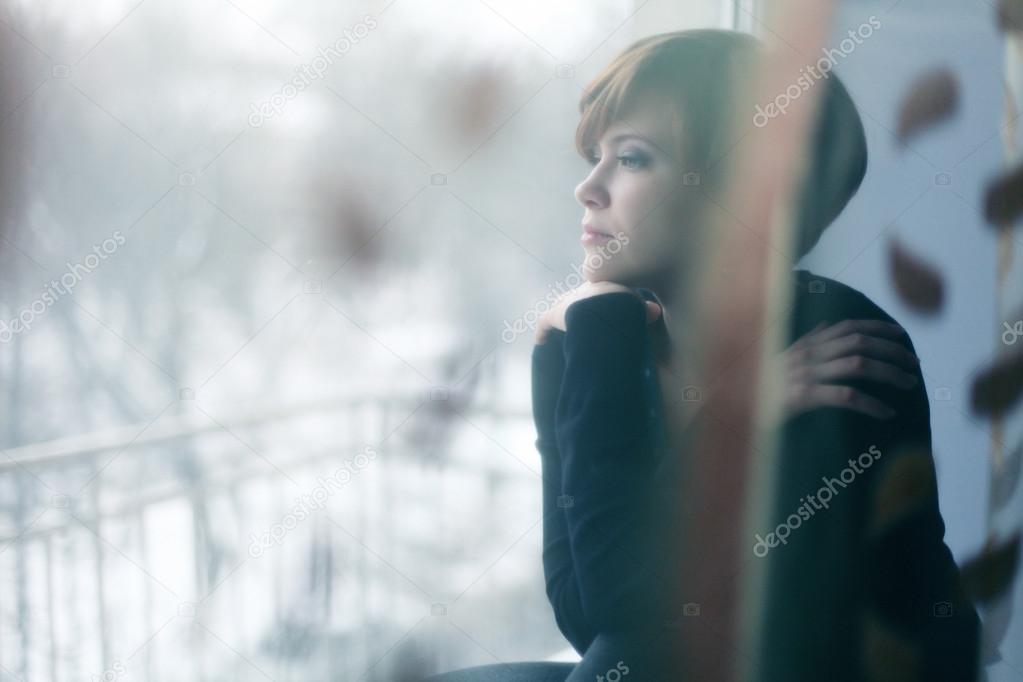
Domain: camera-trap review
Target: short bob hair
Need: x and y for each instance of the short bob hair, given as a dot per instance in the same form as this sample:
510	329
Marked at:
701	74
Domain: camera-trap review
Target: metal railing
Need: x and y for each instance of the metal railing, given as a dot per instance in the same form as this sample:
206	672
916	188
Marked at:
169	551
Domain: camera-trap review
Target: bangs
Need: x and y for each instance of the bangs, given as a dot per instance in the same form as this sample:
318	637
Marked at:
599	109
617	86
691	73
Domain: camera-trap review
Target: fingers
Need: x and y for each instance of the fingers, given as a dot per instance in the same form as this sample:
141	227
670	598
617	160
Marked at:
859	367
859	343
542	331
653	311
870	327
826	395
809	336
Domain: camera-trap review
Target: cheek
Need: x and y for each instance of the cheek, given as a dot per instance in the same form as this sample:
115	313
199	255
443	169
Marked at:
657	240
638	203
647	210
657	223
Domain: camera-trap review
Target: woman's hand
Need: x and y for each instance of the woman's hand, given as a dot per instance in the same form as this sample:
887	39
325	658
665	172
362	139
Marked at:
554	318
850	349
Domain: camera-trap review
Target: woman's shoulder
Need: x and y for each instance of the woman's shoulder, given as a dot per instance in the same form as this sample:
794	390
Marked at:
818	298
818	291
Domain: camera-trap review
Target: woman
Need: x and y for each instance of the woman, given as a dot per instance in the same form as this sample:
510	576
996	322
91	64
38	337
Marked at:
864	586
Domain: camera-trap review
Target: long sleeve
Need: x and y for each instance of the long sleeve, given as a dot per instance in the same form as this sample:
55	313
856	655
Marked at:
864	580
548	366
914	586
604	437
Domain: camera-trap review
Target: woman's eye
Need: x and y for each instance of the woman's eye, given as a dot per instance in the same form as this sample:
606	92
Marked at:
632	161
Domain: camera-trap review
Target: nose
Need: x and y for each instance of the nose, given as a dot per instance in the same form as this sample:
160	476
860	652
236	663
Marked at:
592	192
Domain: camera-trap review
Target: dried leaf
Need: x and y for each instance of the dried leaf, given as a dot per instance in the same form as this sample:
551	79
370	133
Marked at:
988	575
918	284
1003	201
932	98
904	489
349	228
1010	15
480	95
998	387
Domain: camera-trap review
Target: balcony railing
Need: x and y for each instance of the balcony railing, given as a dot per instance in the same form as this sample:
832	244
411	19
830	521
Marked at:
198	547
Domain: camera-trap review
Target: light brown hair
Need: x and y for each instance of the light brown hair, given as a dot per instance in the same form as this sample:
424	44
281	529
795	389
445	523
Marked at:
701	74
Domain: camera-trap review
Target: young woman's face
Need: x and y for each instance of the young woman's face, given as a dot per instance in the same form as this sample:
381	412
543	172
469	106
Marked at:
635	191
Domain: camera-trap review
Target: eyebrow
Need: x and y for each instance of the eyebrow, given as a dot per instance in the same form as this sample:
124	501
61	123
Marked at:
626	136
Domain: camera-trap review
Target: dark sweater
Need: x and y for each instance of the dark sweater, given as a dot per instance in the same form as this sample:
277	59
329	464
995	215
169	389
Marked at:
612	512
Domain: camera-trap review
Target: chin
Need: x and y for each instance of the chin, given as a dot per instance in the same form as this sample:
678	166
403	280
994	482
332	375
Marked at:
605	273
606	264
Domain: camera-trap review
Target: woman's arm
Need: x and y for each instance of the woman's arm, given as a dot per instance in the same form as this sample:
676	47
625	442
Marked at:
604	437
548	366
871	570
914	586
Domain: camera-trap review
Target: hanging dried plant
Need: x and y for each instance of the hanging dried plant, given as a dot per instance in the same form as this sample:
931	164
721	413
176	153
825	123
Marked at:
480	95
904	489
1003	199
989	574
932	98
998	387
1010	15
918	284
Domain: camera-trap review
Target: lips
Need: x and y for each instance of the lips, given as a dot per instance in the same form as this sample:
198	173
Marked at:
592	236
